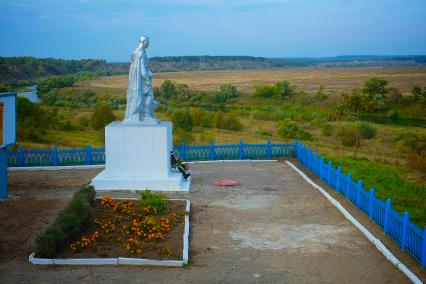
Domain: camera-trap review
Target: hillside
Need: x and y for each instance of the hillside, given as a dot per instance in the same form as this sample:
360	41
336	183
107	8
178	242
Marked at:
30	68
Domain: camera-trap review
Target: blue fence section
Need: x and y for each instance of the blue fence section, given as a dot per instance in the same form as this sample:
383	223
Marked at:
399	227
94	156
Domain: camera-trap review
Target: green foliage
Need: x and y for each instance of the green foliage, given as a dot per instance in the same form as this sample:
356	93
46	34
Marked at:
69	223
167	90
414	142
182	119
264	91
157	201
418	93
349	136
182	92
367	130
46	84
281	90
218	120
326	129
102	116
375	86
232	123
207	119
320	95
284	89
49	242
389	181
228	91
290	130
33	120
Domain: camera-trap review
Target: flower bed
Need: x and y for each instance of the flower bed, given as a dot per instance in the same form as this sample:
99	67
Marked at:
147	230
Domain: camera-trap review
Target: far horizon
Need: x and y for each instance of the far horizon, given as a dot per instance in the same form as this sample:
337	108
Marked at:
260	28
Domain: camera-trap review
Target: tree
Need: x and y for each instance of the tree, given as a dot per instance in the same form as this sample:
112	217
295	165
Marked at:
354	105
375	86
264	91
168	89
228	91
182	92
289	130
102	116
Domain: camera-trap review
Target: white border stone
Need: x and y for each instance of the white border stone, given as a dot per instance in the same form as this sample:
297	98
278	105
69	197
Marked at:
124	260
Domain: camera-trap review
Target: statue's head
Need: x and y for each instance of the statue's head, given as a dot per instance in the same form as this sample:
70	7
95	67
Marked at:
144	41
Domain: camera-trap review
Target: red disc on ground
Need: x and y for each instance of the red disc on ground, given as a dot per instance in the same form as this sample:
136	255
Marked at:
225	182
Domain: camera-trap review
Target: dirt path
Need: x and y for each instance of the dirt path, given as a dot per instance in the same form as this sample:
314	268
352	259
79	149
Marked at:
270	228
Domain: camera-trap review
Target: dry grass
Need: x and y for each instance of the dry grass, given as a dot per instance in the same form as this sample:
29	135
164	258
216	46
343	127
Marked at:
334	80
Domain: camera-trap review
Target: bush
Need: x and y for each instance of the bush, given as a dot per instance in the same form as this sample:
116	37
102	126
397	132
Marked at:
326	129
232	122
207	120
102	116
167	90
218	120
264	91
284	89
366	130
414	142
348	136
69	223
289	130
157	201
49	242
228	91
182	119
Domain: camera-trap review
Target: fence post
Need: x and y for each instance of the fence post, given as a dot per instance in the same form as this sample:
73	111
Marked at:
320	167
55	155
329	173
182	152
348	184
241	149
405	222
89	154
20	157
358	193
268	149
424	248
212	152
370	203
339	173
386	218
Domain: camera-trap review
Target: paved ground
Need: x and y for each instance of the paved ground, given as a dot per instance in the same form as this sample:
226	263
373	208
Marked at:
271	228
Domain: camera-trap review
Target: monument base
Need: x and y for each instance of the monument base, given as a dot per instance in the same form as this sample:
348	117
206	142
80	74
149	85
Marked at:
104	182
137	157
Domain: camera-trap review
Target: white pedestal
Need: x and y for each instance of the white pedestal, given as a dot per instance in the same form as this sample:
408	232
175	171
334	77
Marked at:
137	157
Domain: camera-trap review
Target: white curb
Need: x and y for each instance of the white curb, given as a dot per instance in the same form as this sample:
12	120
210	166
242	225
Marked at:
230	161
124	260
379	245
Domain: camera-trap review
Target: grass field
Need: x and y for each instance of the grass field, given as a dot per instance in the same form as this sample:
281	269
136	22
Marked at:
335	81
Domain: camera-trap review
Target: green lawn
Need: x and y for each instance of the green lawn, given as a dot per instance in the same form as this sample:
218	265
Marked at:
389	181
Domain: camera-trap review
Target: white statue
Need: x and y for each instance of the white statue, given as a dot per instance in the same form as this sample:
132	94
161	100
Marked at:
140	96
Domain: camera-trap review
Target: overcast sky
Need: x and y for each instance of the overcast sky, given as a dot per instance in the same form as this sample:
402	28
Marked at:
109	29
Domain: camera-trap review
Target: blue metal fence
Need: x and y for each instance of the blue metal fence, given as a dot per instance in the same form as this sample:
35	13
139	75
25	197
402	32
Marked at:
94	156
399	227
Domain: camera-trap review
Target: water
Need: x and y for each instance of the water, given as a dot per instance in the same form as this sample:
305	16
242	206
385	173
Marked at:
31	94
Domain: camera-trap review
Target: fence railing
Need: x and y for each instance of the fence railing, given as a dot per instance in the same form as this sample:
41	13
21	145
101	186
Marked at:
95	156
399	227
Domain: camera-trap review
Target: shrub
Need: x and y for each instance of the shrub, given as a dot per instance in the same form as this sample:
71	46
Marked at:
413	141
232	122
366	130
228	91
167	90
218	120
264	91
289	130
284	89
348	136
326	129
182	119
197	114
49	242
102	116
69	222
207	120
157	201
